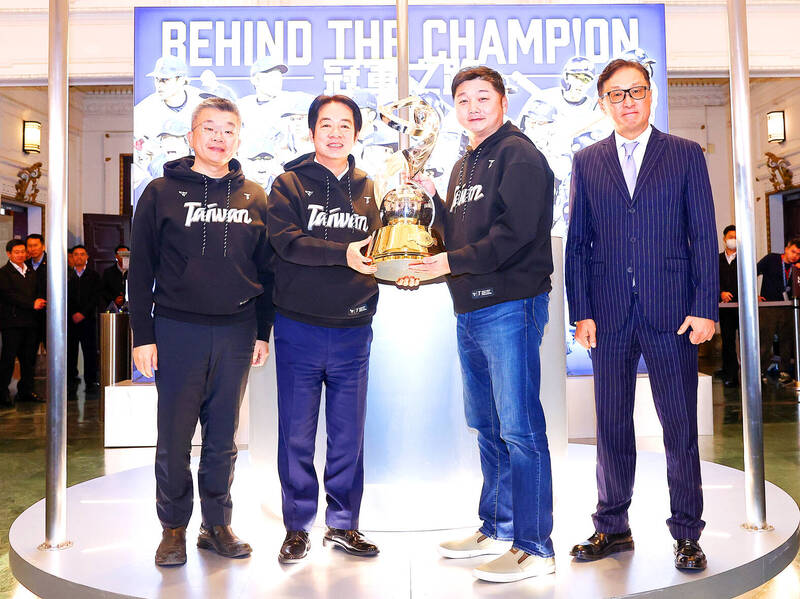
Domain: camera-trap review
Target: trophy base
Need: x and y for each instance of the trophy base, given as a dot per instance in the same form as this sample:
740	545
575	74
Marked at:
396	246
391	268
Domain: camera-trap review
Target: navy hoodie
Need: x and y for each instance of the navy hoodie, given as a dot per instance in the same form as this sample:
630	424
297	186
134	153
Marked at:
203	242
312	217
496	222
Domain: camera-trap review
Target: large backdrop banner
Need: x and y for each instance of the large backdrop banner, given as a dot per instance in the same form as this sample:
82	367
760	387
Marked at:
273	61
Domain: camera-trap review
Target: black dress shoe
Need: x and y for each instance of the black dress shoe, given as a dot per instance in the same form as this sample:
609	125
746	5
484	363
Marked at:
688	555
601	545
172	549
730	383
221	539
294	548
718	374
351	541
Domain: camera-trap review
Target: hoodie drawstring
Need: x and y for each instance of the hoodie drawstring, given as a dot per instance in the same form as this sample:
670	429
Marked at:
205	221
328	194
227	211
469	180
205	206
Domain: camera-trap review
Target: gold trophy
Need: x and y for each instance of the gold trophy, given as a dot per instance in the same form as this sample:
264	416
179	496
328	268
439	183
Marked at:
407	211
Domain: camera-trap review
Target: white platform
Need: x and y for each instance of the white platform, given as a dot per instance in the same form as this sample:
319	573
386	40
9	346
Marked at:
583	422
112	522
130	412
130	416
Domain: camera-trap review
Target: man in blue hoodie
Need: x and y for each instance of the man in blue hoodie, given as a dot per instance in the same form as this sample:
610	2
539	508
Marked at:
200	293
496	227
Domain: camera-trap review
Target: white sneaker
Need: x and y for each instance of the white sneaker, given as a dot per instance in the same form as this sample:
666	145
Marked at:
475	544
515	565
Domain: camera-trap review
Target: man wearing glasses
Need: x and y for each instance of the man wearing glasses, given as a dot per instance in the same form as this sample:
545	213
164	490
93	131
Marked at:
641	279
200	293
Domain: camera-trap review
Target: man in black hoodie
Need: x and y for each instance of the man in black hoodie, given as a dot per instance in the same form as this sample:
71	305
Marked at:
496	228
200	265
20	301
320	213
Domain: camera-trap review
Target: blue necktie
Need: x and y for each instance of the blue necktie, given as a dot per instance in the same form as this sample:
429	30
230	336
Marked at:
629	166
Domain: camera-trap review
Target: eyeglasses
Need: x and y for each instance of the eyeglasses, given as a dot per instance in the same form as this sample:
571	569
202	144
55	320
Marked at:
209	131
615	96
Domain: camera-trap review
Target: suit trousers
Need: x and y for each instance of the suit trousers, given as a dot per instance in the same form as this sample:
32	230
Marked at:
306	357
18	343
780	321
672	366
85	334
202	375
728	325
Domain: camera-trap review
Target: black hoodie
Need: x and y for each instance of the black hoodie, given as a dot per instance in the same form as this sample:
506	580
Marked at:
312	217
496	222
203	242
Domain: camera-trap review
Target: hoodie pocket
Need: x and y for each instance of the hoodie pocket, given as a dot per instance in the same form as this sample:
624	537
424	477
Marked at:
218	285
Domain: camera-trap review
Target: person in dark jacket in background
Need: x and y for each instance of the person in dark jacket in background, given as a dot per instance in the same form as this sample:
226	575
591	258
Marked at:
199	292
320	214
37	260
114	281
496	229
83	297
19	304
776	286
729	317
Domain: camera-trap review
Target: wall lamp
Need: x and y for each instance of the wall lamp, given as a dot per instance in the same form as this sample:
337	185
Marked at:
31	137
776	126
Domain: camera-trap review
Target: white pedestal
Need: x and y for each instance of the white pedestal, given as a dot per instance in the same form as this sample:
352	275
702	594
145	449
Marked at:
421	462
130	416
583	422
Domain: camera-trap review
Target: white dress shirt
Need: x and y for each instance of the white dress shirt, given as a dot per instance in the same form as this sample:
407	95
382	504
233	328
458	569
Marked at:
638	153
20	269
730	257
340	175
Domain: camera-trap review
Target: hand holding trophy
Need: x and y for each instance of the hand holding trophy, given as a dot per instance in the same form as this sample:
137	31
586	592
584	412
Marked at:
407	210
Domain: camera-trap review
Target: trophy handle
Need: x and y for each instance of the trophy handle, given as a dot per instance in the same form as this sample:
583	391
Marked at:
433	218
424	122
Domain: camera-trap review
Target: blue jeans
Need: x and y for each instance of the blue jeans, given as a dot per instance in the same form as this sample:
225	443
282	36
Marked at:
498	348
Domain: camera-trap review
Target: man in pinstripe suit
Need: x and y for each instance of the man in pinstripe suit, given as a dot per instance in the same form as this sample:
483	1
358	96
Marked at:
641	278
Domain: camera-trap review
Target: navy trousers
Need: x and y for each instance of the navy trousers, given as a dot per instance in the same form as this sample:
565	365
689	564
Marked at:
306	357
672	366
202	374
85	334
18	342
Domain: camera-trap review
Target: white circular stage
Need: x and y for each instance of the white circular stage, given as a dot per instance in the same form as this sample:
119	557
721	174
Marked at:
112	523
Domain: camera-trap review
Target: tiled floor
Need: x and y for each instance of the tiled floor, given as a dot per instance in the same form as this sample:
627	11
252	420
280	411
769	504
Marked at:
22	455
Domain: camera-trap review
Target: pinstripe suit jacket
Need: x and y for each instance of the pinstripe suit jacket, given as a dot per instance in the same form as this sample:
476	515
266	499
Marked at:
663	237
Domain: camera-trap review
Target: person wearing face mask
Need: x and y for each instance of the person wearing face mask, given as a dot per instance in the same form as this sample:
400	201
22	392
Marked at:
320	214
776	286
729	317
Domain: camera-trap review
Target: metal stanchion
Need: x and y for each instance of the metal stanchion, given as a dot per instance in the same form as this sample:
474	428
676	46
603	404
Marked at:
115	355
753	430
402	64
56	467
